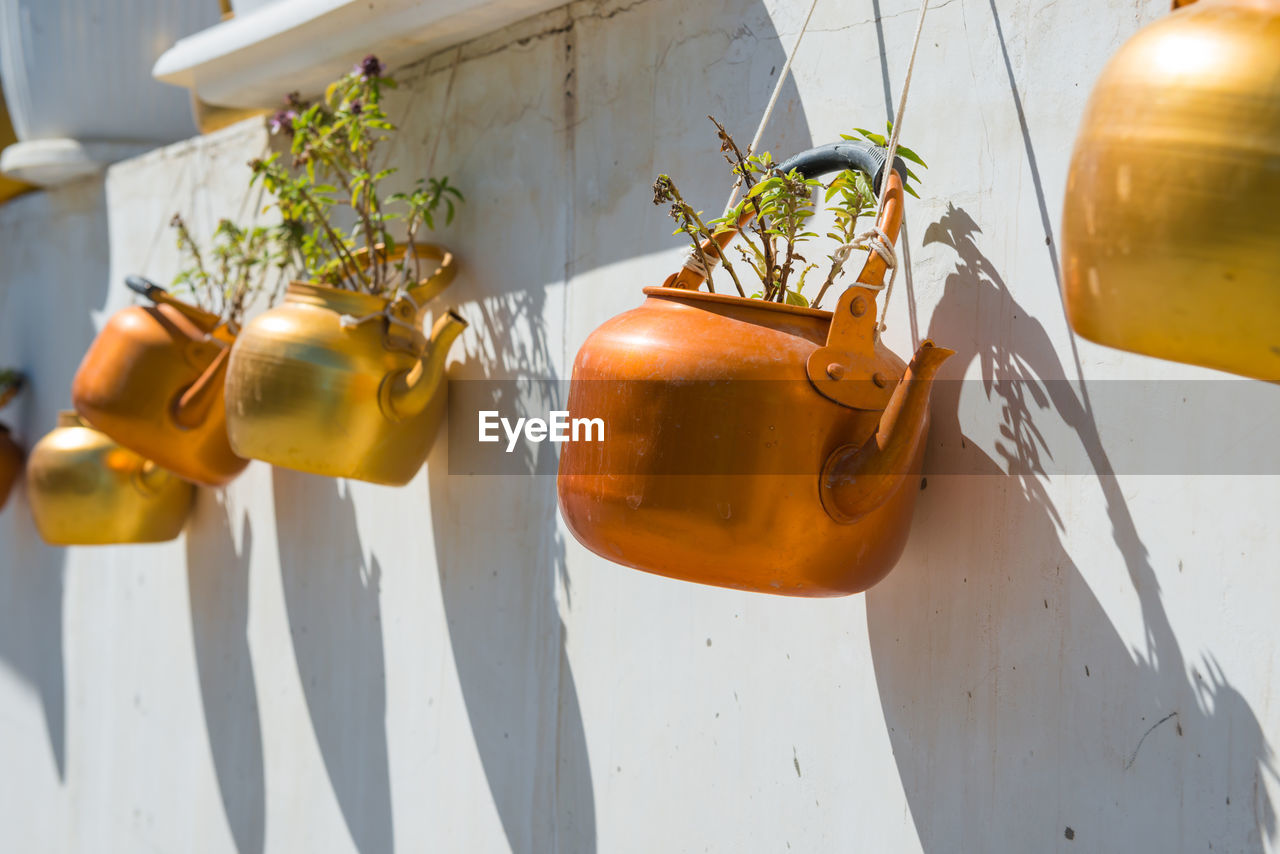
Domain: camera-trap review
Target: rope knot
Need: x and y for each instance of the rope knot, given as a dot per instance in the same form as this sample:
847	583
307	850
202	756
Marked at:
693	263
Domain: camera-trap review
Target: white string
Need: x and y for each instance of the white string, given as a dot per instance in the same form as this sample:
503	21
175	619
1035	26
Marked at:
773	102
692	261
873	240
892	153
694	264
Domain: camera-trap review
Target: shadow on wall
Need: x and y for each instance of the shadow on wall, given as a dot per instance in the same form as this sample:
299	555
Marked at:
1019	717
335	619
45	326
218	581
499	549
499	553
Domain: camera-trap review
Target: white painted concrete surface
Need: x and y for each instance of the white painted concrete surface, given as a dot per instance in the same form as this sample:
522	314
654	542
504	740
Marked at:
1062	661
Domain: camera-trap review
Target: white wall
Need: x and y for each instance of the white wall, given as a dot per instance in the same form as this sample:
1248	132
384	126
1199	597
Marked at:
1072	640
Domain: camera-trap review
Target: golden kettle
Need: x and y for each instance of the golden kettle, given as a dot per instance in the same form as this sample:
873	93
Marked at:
341	383
153	381
1171	226
752	444
85	489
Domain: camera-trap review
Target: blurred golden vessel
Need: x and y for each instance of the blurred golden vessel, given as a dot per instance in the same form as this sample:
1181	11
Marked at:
1171	228
85	489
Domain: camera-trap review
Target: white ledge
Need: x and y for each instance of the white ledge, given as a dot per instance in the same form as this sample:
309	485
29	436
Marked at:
254	60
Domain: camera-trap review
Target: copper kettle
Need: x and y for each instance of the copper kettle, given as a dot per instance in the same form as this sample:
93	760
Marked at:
10	451
752	444
1171	226
153	381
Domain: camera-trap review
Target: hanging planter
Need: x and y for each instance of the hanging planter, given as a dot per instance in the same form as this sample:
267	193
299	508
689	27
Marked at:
1170	224
85	489
340	379
757	444
10	463
10	451
153	379
341	383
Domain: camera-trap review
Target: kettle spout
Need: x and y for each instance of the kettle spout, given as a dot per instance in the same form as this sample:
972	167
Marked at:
859	478
406	393
192	406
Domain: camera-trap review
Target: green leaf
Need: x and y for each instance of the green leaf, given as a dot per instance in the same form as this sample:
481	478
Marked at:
908	154
873	137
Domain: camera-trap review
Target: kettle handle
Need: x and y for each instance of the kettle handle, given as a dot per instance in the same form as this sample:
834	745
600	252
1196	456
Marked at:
158	295
440	278
149	478
145	287
858	155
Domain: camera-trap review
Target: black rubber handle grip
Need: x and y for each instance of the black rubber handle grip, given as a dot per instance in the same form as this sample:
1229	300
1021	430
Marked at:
865	157
146	287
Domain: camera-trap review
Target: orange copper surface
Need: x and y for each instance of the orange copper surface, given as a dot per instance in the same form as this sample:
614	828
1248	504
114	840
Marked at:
153	381
724	462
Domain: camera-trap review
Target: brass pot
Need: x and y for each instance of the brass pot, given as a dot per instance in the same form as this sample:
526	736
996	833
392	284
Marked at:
10	463
85	489
750	444
153	381
341	383
1171	228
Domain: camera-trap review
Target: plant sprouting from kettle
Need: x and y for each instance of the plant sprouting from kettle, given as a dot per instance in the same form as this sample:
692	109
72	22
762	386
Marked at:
780	207
237	270
334	147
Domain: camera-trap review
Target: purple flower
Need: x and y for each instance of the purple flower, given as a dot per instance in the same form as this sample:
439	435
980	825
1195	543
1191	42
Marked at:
357	106
282	121
370	67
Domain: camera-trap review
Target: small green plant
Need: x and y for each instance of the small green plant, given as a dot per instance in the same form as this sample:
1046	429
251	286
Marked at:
334	145
782	208
237	270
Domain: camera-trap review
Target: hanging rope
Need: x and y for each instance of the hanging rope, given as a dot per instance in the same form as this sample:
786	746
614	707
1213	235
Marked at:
692	261
880	244
873	240
773	102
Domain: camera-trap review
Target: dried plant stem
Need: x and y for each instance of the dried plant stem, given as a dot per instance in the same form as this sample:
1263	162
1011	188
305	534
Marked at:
739	163
698	231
